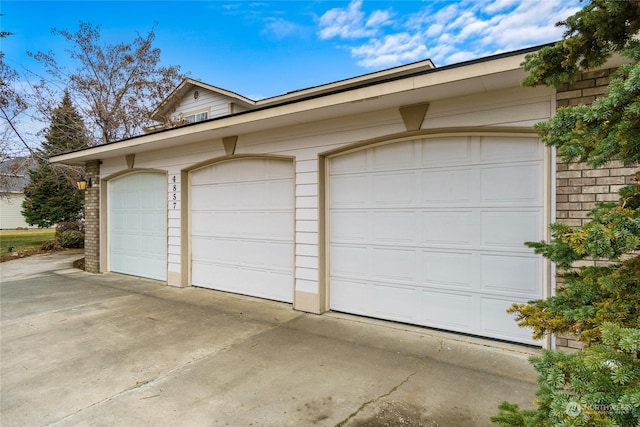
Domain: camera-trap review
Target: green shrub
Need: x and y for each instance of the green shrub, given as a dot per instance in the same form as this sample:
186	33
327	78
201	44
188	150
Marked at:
71	239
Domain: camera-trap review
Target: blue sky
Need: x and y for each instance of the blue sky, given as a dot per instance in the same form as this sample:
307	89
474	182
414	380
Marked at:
265	48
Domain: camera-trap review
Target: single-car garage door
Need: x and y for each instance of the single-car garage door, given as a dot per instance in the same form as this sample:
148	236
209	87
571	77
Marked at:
431	232
137	225
242	227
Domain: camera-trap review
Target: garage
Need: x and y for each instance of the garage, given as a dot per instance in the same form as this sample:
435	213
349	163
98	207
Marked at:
137	224
242	227
430	232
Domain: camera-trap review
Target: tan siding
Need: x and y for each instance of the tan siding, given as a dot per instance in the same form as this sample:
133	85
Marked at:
515	107
216	105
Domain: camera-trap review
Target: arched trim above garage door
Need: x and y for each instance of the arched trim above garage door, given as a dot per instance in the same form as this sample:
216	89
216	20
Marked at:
134	223
422	228
240	212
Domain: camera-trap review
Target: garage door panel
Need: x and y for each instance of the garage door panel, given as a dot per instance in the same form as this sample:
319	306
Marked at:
348	164
399	227
445	221
252	195
387	157
214	276
393	189
279	256
279	170
256	254
496	322
349	226
350	296
453	270
347	191
249	170
513	185
224	172
223	223
510	229
447	186
350	261
394	264
243	237
453	151
201	198
201	224
448	310
132	200
447	228
151	224
265	284
516	275
278	225
494	149
279	194
396	302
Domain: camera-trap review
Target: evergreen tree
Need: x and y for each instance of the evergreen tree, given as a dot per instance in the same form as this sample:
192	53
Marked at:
67	131
600	384
51	195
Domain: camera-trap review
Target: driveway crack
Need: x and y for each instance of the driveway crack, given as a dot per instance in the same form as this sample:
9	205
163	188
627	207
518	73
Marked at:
377	398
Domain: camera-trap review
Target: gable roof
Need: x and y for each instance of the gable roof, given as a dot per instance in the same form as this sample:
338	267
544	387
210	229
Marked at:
187	85
406	85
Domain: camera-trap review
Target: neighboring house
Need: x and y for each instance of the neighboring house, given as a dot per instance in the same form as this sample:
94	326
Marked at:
404	194
13	178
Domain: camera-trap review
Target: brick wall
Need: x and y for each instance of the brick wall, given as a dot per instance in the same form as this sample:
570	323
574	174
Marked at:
92	218
578	186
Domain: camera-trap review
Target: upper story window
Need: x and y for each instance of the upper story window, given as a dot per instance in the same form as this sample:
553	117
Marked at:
198	117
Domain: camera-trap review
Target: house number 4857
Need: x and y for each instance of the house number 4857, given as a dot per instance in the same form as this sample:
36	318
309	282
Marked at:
174	188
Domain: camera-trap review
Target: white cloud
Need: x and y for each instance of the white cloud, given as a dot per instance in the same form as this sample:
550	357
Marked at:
344	23
350	22
390	50
446	32
281	28
378	17
499	5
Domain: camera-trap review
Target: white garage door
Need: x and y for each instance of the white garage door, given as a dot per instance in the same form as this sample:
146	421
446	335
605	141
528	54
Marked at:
137	225
431	232
242	227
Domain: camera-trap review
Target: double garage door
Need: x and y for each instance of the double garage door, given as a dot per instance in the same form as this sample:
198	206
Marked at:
431	232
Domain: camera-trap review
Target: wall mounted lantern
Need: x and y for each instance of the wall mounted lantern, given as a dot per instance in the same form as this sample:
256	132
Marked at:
83	184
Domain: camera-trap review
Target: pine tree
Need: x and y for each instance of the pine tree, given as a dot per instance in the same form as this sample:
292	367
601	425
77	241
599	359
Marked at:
67	131
600	384
51	196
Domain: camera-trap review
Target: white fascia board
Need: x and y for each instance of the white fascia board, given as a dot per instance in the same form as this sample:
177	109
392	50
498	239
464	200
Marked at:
440	83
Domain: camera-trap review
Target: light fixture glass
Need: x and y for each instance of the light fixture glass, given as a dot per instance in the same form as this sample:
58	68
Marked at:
83	184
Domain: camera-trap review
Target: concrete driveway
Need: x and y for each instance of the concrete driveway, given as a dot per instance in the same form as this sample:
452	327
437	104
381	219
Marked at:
112	350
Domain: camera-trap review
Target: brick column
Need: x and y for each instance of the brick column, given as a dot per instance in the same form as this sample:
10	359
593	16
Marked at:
579	186
92	218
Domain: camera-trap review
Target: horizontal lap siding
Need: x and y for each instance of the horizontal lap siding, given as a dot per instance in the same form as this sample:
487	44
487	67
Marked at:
216	105
305	141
